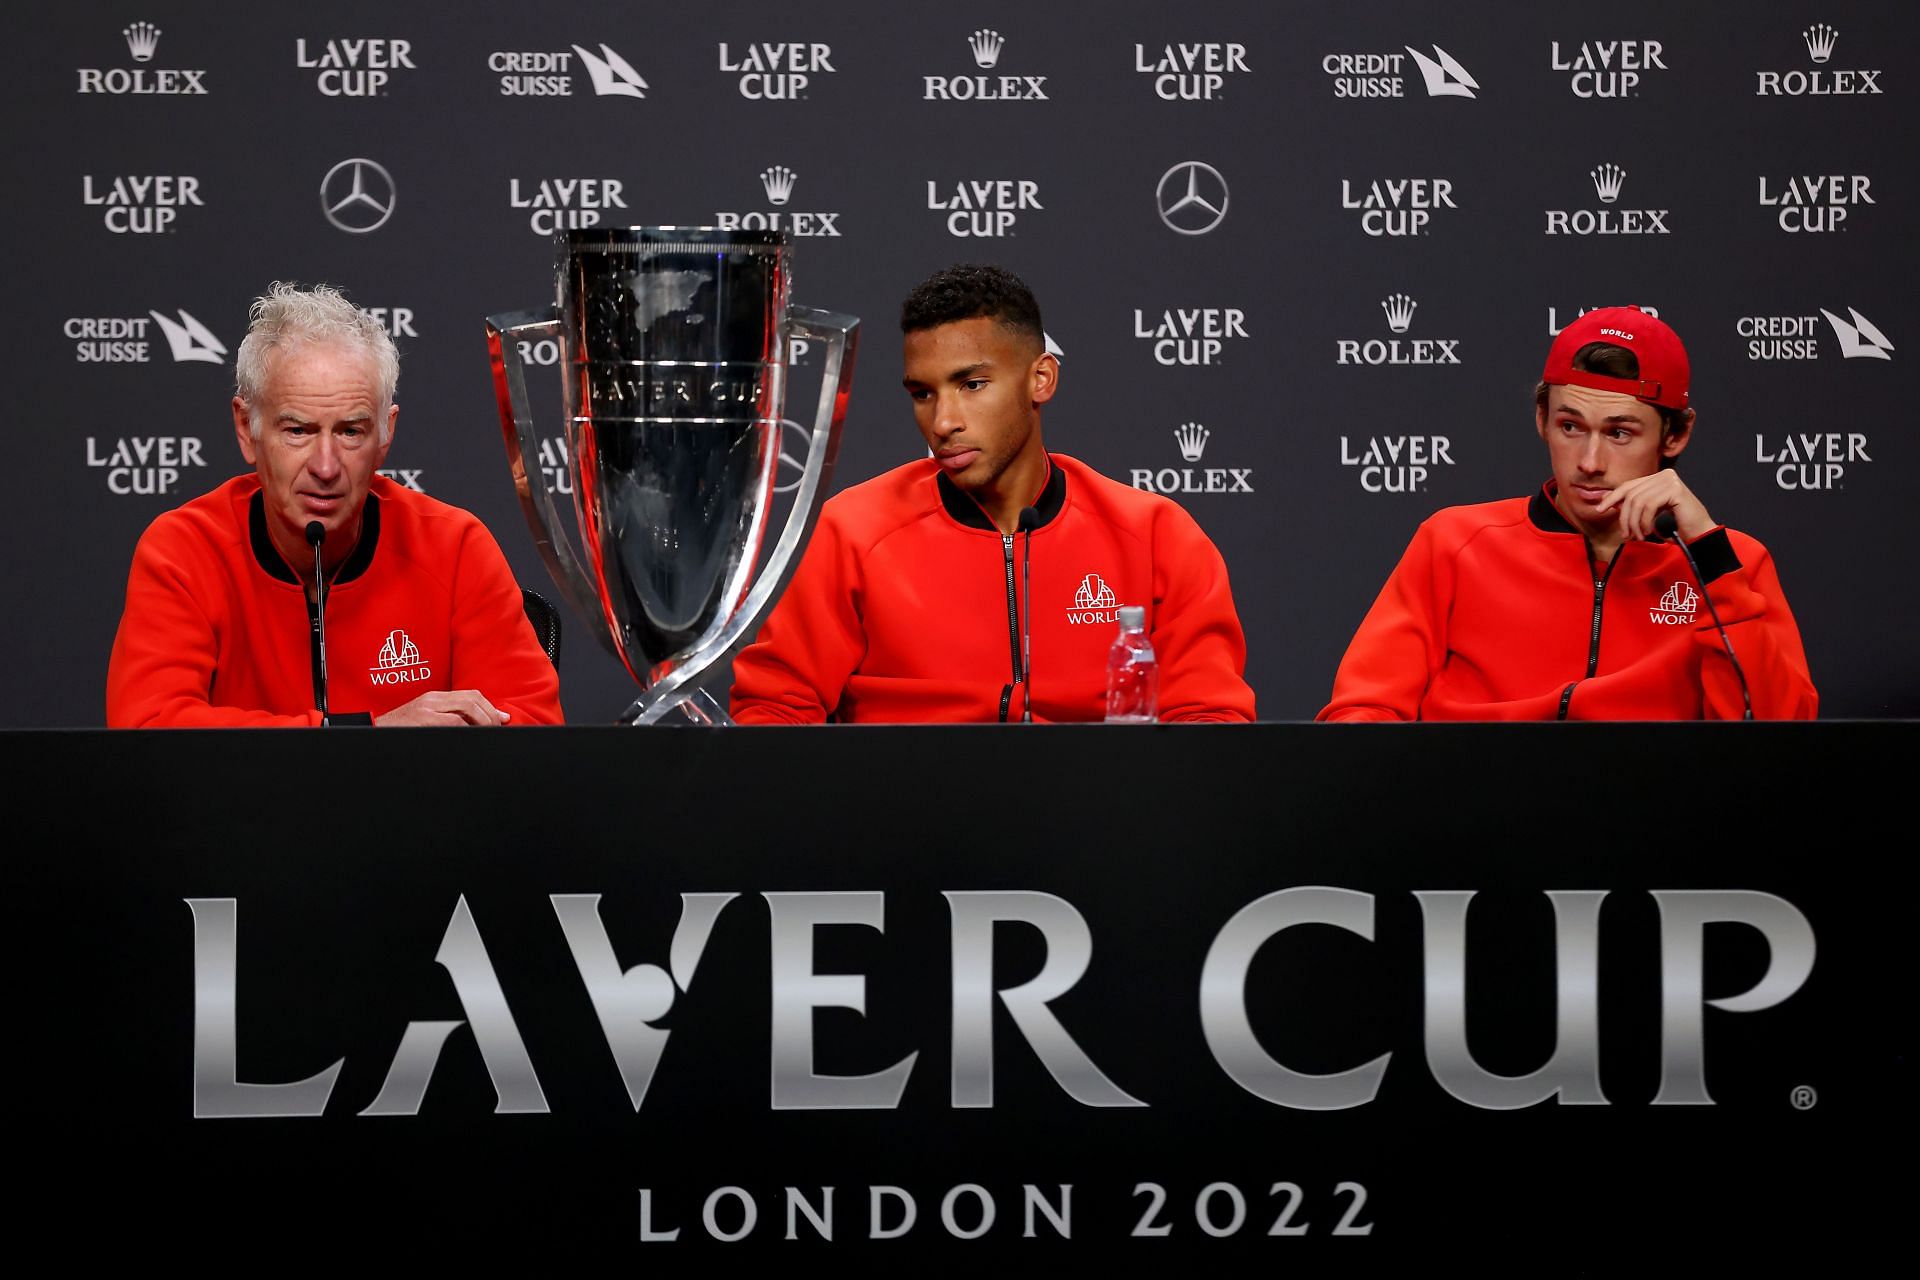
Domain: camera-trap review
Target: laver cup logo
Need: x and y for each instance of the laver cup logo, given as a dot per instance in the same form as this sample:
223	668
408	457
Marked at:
983	206
143	464
1189	335
1397	206
555	204
353	66
1815	201
627	1001
986	47
1190	72
140	203
1606	68
775	72
1822	81
142	42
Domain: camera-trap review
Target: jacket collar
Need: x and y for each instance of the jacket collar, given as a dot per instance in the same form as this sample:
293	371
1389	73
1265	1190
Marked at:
1545	516
962	507
268	556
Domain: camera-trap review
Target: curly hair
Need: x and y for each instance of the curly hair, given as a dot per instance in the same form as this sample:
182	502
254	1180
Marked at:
968	291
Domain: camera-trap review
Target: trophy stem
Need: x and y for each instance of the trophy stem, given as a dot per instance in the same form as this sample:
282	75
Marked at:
696	705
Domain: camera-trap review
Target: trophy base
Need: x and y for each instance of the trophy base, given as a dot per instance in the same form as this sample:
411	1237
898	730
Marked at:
683	706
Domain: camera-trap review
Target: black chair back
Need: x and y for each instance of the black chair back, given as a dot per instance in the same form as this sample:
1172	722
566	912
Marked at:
546	622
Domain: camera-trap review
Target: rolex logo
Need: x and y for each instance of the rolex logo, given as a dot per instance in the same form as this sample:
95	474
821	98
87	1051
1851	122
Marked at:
1819	38
1192	439
779	183
143	38
986	47
1399	308
1606	182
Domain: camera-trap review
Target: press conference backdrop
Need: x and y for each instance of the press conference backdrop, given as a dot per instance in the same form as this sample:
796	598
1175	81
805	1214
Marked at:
1304	259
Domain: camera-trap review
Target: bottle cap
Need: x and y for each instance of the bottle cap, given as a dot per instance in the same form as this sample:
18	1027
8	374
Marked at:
1133	617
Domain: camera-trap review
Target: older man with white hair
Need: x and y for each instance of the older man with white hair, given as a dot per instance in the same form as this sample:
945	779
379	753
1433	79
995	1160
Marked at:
423	620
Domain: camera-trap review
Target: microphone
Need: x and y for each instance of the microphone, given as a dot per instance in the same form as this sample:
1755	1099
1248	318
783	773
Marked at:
1667	529
317	534
1029	519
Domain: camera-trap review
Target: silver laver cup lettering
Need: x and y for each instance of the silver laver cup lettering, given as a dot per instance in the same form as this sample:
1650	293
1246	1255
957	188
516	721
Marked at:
673	349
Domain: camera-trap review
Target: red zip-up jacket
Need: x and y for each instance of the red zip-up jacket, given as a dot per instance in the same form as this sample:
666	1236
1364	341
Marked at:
907	606
216	630
1495	613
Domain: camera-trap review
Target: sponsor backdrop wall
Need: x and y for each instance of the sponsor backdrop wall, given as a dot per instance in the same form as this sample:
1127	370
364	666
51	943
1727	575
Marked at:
1304	260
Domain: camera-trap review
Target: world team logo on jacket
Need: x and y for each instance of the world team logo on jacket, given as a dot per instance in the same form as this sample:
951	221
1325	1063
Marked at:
1093	602
399	661
1677	607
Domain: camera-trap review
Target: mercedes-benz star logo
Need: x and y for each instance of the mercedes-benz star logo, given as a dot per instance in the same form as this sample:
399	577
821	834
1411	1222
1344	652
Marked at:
1192	197
795	441
357	196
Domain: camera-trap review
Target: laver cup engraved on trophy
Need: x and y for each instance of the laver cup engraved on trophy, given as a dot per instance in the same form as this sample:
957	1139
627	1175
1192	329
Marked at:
673	349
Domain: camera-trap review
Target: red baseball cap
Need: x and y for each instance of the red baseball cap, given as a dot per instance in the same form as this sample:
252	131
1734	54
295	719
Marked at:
1664	371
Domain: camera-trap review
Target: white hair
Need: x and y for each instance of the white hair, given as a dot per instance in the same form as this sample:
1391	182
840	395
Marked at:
286	316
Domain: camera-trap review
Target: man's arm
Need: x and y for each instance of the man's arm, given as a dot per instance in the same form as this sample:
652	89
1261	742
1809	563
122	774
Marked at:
1196	630
496	656
1745	590
812	642
1399	646
1762	631
161	673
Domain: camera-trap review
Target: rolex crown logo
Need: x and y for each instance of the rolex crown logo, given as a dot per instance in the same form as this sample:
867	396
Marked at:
1192	439
779	183
143	38
1606	181
1820	38
986	47
1399	308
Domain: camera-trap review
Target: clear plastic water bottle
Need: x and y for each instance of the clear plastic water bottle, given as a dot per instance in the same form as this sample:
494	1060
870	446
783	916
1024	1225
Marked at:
1133	673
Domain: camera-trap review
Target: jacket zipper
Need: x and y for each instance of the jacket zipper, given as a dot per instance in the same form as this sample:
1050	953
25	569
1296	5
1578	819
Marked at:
1013	627
1593	644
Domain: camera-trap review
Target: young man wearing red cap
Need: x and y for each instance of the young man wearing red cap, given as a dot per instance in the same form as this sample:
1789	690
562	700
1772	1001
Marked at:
1563	606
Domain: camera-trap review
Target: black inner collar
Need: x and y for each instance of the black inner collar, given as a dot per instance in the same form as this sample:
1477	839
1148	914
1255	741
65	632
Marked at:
1545	515
963	508
269	557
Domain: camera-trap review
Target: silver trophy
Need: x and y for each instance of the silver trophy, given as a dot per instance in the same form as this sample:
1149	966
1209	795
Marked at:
673	347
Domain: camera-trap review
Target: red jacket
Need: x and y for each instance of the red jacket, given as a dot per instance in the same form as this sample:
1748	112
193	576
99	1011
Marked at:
905	607
1494	613
216	633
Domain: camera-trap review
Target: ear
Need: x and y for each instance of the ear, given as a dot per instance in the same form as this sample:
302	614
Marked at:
393	424
1675	441
243	429
1046	377
1540	419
